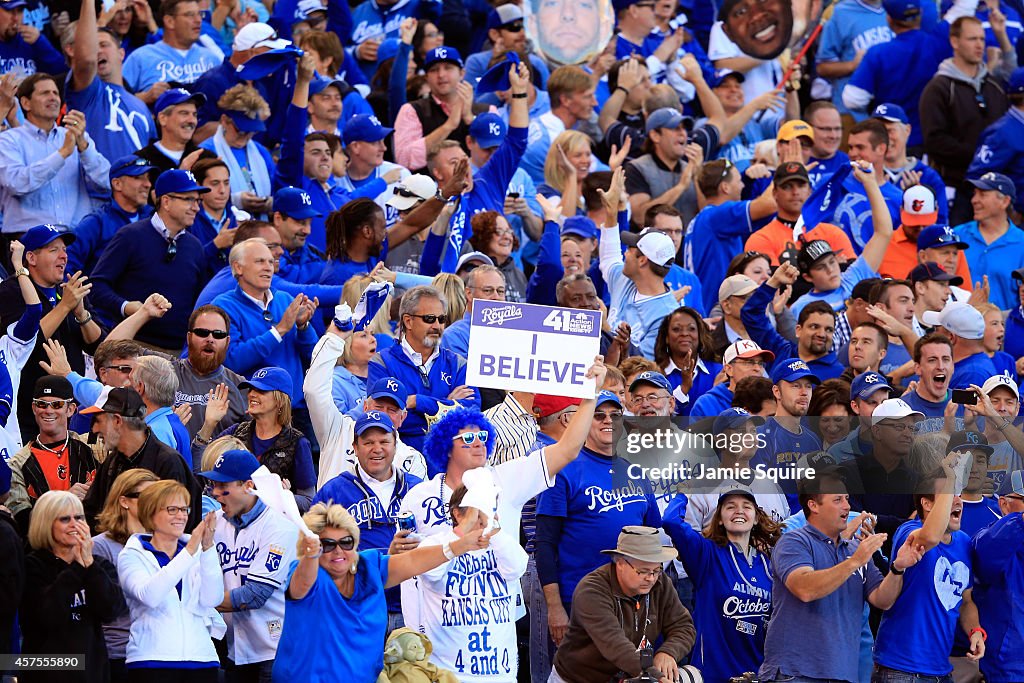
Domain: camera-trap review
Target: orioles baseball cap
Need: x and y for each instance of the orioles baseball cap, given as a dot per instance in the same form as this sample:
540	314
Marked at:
919	206
795	129
744	348
117	401
789	171
53	386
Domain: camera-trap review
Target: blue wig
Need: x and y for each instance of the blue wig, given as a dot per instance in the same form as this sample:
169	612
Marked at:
438	445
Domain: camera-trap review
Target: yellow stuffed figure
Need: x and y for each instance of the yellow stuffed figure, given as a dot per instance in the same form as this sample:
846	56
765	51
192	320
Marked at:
407	660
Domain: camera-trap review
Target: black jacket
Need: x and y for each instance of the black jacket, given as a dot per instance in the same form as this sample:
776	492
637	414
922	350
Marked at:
12	578
62	612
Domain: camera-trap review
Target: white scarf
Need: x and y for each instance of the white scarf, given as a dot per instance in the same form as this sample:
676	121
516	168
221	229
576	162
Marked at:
257	180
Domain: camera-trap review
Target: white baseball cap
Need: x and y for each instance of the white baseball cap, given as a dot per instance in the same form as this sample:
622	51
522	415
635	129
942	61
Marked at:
744	348
961	319
893	409
412	190
256	35
655	245
996	381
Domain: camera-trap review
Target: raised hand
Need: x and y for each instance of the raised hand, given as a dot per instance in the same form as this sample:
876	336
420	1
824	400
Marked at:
217	404
618	156
156	305
309	546
307	310
612	198
785	274
306	67
689	69
209	526
864	173
909	179
552	209
58	364
459	182
598	371
407	30
184	412
868	546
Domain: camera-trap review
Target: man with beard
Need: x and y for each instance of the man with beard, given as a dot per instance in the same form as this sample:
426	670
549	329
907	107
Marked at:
761	29
293	217
176	114
506	32
743	358
965	326
933	365
429	373
867	391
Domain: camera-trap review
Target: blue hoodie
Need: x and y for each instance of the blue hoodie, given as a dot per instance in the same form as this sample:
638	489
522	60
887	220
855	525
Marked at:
997	557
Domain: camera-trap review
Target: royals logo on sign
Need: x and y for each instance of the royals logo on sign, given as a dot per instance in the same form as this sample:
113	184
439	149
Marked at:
538	349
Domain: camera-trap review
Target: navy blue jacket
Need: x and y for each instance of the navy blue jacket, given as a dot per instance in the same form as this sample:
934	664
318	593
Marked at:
95	231
1001	149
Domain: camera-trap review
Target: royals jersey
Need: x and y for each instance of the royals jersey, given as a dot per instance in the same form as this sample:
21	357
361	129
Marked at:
14	354
260	552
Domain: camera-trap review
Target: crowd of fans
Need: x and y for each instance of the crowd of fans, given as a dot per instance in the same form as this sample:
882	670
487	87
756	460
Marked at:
809	259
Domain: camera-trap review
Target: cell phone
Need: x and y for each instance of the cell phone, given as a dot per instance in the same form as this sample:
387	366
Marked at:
964	397
513	195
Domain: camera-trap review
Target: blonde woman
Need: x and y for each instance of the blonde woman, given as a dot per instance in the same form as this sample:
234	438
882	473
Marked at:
995	335
335	612
69	593
172	583
453	288
568	162
118	520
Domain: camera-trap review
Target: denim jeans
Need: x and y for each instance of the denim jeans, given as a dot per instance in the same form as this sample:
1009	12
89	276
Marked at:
541	647
883	674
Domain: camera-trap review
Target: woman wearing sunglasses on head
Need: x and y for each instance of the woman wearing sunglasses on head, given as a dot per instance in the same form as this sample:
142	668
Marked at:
172	583
335	611
68	593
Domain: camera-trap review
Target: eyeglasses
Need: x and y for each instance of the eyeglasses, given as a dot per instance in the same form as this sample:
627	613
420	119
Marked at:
134	495
469	438
490	291
172	251
174	510
330	545
203	333
649	398
725	170
195	201
898	427
614	416
517	26
65	519
430	318
644	573
501	232
126	369
56	405
756	362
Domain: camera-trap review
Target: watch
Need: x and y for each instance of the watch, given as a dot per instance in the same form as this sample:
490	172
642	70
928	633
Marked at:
21	271
897	572
440	195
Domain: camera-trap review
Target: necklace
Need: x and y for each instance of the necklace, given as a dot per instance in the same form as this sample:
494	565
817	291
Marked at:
59	452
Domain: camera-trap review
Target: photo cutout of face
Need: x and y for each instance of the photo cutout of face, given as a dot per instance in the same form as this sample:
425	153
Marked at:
569	31
763	29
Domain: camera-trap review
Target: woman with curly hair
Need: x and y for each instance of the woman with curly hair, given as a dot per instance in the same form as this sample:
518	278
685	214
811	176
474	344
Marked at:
729	566
683	352
493	236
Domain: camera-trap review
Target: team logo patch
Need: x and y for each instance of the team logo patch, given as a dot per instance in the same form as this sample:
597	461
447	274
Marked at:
274	628
274	555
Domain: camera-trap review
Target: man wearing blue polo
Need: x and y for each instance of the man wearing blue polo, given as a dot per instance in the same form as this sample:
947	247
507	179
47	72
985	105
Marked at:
129	202
995	244
293	216
156	256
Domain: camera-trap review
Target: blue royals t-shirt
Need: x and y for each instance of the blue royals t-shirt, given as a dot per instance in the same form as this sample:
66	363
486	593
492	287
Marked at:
595	498
713	236
119	122
916	633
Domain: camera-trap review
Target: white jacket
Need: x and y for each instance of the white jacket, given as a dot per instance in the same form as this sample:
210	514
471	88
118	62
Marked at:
164	626
334	430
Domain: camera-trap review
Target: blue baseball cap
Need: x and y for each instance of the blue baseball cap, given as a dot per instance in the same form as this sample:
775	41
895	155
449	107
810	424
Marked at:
294	203
939	236
11	5
364	128
39	236
890	112
605	396
233	465
496	78
318	85
582	226
177	180
997	182
373	419
389	387
129	165
666	117
245	123
722	74
1016	82
867	383
655	379
503	15
442	54
902	10
388	49
269	379
176	96
488	130
734	418
930	270
792	369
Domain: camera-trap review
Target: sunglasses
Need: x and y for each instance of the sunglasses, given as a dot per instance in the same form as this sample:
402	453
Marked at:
469	438
126	369
430	318
329	545
56	405
172	250
403	192
517	26
203	333
134	495
601	416
65	519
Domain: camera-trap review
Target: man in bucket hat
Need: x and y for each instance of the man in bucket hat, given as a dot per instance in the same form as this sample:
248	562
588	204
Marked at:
602	639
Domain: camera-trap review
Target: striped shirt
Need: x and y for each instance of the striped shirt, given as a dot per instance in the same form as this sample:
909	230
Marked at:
515	429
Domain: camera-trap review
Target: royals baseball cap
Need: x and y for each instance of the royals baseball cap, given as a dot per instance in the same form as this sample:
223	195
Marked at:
996	381
318	85
867	383
794	130
919	206
117	401
655	379
968	441
412	190
11	5
364	128
504	15
52	386
734	418
605	396
930	270
390	388
961	319
441	55
997	182
307	8
177	180
373	419
233	465
811	253
1015	86
666	117
744	348
176	96
258	34
791	170
582	226
129	165
39	236
294	203
734	488
902	10
488	129
939	236
791	370
269	379
546	405
656	246
893	113
722	74
735	285
246	123
893	409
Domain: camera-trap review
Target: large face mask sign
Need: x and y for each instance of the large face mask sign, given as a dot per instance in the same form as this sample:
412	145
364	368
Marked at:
765	28
569	31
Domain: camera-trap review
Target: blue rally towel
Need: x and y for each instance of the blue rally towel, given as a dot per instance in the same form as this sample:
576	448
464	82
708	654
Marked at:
267	63
496	78
821	205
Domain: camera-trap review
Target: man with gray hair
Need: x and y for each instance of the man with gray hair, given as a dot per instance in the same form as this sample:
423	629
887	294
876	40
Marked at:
155	381
483	282
429	373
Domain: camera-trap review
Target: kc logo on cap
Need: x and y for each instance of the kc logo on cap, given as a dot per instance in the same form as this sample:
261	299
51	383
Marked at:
374	415
972	437
989	176
391	384
305	199
260	374
190	176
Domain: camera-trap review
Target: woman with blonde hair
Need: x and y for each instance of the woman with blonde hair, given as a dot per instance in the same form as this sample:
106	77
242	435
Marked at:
995	335
172	583
336	612
117	521
453	288
69	593
567	164
493	236
268	433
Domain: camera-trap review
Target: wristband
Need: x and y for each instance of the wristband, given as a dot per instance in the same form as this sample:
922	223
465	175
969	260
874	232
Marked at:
88	317
978	629
447	550
894	570
1006	423
519	96
623	89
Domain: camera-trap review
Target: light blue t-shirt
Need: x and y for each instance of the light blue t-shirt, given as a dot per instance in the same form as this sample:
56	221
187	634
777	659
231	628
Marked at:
855	26
161	62
836	298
